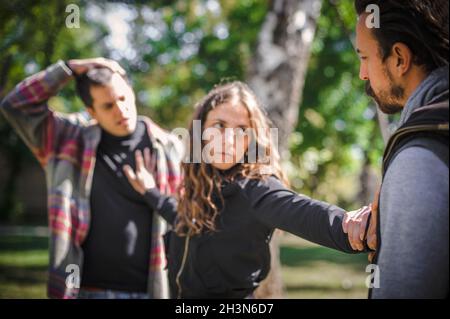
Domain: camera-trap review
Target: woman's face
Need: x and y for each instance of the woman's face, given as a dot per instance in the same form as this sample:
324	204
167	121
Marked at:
226	134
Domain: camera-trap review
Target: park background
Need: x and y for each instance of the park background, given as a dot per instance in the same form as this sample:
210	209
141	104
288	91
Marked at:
298	57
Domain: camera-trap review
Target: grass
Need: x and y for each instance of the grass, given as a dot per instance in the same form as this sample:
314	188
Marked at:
308	270
23	267
312	271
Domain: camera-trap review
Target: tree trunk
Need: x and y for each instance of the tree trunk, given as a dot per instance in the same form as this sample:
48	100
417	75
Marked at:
277	75
4	71
369	181
383	122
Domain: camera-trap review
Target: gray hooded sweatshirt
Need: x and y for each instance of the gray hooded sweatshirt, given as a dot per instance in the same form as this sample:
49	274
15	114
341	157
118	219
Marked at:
414	207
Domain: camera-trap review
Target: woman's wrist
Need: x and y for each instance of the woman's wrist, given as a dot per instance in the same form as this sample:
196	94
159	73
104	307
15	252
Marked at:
152	196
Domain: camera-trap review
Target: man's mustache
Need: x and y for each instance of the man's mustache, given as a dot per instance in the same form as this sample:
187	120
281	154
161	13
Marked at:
369	90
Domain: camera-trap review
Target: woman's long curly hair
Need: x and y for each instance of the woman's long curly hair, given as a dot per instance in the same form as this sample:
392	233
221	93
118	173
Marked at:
200	189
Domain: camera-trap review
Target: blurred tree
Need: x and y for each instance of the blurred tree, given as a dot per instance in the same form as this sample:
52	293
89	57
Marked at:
32	36
277	74
337	129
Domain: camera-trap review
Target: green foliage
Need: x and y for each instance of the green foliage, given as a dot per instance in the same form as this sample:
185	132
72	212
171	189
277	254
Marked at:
197	49
337	127
178	50
32	36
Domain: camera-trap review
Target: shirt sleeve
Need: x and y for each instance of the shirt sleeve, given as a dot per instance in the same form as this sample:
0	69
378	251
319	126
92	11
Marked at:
26	108
278	207
164	205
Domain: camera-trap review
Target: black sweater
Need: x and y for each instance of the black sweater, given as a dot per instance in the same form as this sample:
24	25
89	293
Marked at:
231	262
116	250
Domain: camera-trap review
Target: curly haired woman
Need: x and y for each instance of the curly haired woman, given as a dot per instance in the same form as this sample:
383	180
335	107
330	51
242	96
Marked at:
231	201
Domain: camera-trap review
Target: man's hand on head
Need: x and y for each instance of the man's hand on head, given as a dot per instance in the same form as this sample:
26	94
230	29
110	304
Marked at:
80	66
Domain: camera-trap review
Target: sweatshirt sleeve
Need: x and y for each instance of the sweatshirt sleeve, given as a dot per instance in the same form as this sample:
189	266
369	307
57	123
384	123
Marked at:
164	205
278	207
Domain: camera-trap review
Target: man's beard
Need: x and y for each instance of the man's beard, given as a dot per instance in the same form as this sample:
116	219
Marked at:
388	102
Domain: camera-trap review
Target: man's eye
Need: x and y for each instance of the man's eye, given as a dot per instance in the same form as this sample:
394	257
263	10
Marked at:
363	58
218	125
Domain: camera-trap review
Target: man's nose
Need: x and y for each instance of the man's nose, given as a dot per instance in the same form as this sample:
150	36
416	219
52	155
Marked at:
122	107
363	75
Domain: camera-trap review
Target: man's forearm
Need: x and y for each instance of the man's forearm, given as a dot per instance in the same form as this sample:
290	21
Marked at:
27	111
38	88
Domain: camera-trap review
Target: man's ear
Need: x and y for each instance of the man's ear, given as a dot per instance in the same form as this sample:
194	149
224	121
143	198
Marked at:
403	58
91	111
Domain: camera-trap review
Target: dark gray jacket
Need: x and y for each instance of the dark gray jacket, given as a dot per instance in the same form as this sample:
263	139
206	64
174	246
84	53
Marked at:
413	259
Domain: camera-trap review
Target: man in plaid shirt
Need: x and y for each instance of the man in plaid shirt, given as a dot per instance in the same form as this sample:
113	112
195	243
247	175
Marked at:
105	242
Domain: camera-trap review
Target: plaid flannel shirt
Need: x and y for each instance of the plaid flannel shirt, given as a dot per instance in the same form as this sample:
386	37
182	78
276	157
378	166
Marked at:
65	146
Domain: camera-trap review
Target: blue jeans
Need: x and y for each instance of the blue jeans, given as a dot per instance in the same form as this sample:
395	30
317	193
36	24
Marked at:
111	294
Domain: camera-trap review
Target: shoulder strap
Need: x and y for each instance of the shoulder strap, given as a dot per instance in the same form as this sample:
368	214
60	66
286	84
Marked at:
430	121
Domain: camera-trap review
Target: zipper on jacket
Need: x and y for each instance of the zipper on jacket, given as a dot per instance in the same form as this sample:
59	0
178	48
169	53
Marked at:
183	262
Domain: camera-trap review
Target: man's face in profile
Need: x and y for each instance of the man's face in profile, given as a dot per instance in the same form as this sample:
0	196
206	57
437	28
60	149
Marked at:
380	84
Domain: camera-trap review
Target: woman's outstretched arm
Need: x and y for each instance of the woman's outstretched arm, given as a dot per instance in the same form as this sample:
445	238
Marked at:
278	207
